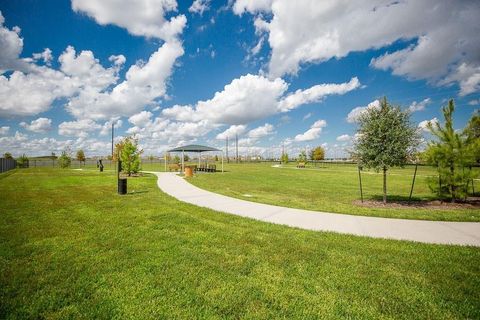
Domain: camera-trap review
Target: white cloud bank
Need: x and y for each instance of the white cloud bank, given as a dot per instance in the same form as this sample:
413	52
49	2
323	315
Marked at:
140	18
92	91
445	35
254	97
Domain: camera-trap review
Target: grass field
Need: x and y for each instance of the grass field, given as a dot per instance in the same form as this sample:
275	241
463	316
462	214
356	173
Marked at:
70	248
332	188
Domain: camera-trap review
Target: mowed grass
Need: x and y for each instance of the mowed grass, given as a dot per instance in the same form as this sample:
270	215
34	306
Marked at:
70	248
332	188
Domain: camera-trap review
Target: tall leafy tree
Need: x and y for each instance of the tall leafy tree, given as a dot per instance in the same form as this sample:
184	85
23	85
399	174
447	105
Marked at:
81	156
130	155
386	138
452	154
317	154
7	155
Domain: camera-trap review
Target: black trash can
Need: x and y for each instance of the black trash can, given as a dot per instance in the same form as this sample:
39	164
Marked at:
122	186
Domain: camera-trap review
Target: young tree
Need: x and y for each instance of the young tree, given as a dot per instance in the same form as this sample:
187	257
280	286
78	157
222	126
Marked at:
386	139
81	156
22	161
284	158
452	154
7	155
65	160
317	154
176	159
130	155
302	157
186	158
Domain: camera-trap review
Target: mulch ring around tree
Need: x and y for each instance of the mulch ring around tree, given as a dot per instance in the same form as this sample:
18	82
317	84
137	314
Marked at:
470	203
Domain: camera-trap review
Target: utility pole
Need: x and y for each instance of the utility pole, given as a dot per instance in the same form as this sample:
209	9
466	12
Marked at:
226	145
236	148
112	138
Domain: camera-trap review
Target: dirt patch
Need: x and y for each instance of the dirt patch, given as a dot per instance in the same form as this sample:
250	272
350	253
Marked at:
471	203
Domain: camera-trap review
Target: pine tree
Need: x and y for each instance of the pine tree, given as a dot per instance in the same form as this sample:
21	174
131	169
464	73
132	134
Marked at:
452	154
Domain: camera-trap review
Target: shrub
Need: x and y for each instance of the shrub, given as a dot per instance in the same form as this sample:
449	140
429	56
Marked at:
22	161
64	160
130	155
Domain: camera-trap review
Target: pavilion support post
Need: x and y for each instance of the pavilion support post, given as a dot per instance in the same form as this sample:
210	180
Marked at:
222	161
165	160
199	159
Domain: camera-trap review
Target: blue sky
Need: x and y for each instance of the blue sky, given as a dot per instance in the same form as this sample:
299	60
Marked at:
272	73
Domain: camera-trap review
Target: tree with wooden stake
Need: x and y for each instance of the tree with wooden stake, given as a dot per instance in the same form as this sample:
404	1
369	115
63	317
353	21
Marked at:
386	138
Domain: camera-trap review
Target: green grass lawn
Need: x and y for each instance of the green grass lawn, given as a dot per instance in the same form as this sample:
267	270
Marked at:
331	188
70	248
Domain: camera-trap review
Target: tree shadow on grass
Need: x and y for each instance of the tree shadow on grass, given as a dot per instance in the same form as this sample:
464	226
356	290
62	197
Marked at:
131	193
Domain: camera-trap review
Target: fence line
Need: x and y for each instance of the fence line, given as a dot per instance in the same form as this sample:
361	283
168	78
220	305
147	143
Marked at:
7	164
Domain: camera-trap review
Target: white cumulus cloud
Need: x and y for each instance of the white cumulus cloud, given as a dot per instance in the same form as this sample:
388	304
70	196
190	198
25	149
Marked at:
312	133
79	128
444	49
141	17
40	125
344	137
353	115
419	106
199	6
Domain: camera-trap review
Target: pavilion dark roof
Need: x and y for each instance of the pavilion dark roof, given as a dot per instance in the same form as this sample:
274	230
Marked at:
193	148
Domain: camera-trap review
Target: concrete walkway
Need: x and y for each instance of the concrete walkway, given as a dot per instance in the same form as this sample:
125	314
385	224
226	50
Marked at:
460	233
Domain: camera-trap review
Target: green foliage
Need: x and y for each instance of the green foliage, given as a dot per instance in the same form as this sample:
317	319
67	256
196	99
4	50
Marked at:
65	160
7	155
186	157
472	132
216	158
81	156
317	154
130	155
118	150
387	139
284	158
302	157
176	159
452	154
22	161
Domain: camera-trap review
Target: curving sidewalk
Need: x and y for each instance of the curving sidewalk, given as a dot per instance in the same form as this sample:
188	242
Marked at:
440	232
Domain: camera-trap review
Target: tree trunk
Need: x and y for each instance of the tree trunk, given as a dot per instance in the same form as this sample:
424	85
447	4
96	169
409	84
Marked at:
452	185
384	185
